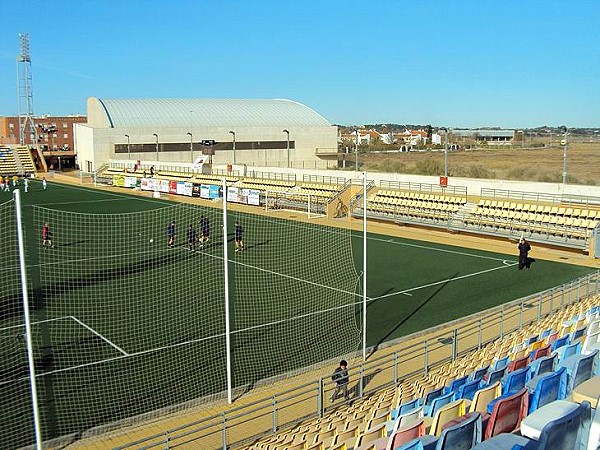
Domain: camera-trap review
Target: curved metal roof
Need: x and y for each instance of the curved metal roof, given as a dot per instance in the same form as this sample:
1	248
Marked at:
208	112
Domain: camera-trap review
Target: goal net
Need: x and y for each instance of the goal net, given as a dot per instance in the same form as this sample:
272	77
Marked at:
314	206
15	391
127	323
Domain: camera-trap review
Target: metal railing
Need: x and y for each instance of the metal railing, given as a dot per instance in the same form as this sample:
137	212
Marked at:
424	187
418	354
568	199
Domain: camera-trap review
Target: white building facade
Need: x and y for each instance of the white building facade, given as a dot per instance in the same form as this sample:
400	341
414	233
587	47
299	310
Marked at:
252	132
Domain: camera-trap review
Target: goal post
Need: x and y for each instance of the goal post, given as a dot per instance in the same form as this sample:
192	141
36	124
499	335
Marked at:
314	206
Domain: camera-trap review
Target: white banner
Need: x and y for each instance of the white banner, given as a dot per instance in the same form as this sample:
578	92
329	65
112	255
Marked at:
253	197
233	195
200	160
184	188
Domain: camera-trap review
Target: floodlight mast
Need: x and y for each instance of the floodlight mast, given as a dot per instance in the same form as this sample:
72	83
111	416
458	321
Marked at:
25	92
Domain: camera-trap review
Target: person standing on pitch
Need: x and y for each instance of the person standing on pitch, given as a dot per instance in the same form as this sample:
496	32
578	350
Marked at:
46	236
44	183
171	235
25	184
524	259
239	237
191	238
340	377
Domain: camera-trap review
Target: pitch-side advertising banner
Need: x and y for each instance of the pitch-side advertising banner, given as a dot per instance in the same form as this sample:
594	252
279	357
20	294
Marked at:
184	188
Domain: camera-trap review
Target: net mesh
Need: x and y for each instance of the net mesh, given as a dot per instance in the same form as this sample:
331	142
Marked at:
125	325
15	393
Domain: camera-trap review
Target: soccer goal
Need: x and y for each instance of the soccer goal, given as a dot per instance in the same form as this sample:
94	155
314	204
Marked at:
312	205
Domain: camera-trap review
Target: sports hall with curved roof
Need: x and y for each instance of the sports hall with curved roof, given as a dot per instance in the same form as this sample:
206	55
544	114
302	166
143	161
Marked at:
253	132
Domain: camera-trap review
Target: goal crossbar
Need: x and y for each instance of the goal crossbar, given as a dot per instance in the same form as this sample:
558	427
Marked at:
314	206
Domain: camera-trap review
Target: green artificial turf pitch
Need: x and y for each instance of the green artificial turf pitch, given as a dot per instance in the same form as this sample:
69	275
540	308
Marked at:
103	360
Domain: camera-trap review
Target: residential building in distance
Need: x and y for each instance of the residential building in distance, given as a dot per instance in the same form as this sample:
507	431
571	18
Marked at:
53	138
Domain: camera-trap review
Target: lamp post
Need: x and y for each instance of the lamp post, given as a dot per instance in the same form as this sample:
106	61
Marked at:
233	136
191	145
128	149
565	144
287	146
156	137
356	150
445	150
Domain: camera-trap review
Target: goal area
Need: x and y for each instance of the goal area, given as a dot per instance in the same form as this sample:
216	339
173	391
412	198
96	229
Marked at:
314	206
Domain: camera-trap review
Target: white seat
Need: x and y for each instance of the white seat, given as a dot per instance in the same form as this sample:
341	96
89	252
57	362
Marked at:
531	426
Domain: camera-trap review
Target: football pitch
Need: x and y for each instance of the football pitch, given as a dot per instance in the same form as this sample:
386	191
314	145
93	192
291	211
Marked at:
123	325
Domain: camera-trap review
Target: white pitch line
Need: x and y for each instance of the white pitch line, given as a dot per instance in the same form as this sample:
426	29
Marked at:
456	252
99	335
444	281
22	325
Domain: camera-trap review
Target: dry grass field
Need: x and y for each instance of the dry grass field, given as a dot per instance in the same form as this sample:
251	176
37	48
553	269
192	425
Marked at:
535	164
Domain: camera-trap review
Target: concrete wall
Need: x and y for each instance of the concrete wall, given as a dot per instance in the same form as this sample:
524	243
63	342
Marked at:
305	139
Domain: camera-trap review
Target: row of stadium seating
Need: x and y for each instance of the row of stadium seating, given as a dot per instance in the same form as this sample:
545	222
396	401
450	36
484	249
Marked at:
538	208
412	195
541	223
521	382
417	208
8	165
267	184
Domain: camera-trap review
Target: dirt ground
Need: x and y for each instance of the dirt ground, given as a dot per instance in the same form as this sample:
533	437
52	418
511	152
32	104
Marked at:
528	164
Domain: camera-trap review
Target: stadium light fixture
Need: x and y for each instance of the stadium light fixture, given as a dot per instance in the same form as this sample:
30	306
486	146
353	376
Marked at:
128	148
191	145
287	146
565	144
233	136
156	137
445	150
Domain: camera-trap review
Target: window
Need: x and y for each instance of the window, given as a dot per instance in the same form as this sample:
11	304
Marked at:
11	125
65	125
65	136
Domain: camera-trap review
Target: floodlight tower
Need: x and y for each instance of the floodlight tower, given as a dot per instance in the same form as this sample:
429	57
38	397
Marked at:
25	92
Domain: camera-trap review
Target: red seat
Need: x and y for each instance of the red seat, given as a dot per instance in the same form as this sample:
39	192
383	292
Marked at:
541	352
518	363
507	414
406	434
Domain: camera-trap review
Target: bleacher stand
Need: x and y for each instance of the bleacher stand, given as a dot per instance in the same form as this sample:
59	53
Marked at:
543	401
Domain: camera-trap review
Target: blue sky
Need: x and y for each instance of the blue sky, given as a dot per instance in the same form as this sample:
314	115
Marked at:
449	63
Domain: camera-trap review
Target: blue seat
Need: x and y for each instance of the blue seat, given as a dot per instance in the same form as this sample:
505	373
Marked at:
431	396
569	350
479	373
463	435
548	388
560	342
531	339
579	368
455	385
547	332
467	390
496	375
415	444
437	403
543	365
578	333
500	363
404	408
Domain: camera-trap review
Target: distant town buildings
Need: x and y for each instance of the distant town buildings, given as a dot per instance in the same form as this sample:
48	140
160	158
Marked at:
54	137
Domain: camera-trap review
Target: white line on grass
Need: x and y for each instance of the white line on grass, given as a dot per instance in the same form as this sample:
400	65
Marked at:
35	323
99	335
447	280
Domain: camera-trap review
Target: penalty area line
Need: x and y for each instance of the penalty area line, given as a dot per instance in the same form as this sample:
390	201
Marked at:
100	336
